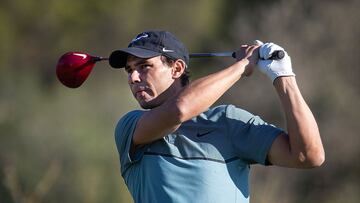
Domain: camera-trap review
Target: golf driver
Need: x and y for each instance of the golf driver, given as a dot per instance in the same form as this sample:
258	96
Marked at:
73	68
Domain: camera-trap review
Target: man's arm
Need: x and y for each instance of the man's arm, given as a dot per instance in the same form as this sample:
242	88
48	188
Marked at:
302	147
192	99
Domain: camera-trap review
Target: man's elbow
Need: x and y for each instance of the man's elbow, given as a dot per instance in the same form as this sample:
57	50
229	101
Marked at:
317	160
182	111
312	159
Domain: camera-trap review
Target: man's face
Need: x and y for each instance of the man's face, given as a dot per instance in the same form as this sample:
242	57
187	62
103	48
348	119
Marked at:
148	80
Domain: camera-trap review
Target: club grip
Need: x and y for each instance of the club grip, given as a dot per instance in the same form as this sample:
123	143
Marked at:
276	55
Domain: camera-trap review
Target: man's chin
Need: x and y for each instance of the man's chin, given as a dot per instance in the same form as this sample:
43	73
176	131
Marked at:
148	104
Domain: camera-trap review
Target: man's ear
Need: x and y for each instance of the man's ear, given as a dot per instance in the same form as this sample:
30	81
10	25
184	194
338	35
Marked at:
178	68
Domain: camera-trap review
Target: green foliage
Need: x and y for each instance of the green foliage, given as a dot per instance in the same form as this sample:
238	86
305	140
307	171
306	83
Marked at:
57	144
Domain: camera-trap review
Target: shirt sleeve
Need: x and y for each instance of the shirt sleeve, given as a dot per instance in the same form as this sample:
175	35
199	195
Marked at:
123	136
251	136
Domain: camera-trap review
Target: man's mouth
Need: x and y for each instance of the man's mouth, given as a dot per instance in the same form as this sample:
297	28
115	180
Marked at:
140	91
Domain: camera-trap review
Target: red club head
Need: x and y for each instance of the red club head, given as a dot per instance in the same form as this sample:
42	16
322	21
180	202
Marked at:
74	67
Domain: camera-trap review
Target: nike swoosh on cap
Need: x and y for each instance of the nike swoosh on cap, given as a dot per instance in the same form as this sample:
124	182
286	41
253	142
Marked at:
167	50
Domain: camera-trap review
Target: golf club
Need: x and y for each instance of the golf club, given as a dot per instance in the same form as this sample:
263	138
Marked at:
73	68
277	55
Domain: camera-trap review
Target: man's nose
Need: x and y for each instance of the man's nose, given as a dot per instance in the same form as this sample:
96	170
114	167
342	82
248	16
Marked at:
134	77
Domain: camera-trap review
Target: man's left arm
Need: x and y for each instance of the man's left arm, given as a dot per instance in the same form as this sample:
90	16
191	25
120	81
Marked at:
301	147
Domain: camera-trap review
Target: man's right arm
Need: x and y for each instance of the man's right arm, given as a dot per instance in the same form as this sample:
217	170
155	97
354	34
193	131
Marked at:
193	99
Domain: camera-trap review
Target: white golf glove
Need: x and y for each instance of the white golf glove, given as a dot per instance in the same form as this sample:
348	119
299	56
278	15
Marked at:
273	68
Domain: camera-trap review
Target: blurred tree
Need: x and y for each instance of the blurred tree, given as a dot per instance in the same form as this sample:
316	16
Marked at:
57	144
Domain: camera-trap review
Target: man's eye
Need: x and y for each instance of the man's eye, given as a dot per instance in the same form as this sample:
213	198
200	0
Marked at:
144	66
129	70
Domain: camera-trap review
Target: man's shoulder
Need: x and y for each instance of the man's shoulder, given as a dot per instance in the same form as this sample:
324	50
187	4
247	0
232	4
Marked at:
228	111
133	113
129	118
215	113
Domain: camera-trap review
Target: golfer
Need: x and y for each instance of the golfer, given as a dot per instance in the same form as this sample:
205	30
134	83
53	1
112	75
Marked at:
180	148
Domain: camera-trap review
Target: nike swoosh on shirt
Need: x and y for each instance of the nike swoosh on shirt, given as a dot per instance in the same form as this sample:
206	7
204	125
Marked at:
203	134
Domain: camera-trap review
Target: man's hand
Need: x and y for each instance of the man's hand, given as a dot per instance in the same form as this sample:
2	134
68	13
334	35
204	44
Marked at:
250	54
273	68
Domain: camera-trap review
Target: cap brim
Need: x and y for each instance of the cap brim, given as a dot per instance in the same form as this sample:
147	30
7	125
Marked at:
118	58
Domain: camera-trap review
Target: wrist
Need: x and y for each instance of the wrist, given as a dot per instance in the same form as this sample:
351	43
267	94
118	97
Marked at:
244	62
246	67
285	83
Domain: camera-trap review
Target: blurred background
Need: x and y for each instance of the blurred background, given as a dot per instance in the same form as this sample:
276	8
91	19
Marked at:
57	144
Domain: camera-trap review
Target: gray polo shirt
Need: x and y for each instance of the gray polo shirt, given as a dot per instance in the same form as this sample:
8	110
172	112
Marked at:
206	160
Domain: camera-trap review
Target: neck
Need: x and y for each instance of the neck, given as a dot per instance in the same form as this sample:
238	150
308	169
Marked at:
168	94
172	91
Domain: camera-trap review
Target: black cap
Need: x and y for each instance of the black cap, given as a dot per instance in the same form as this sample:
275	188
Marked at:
150	44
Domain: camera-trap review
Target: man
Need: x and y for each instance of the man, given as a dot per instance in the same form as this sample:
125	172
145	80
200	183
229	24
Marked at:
182	150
